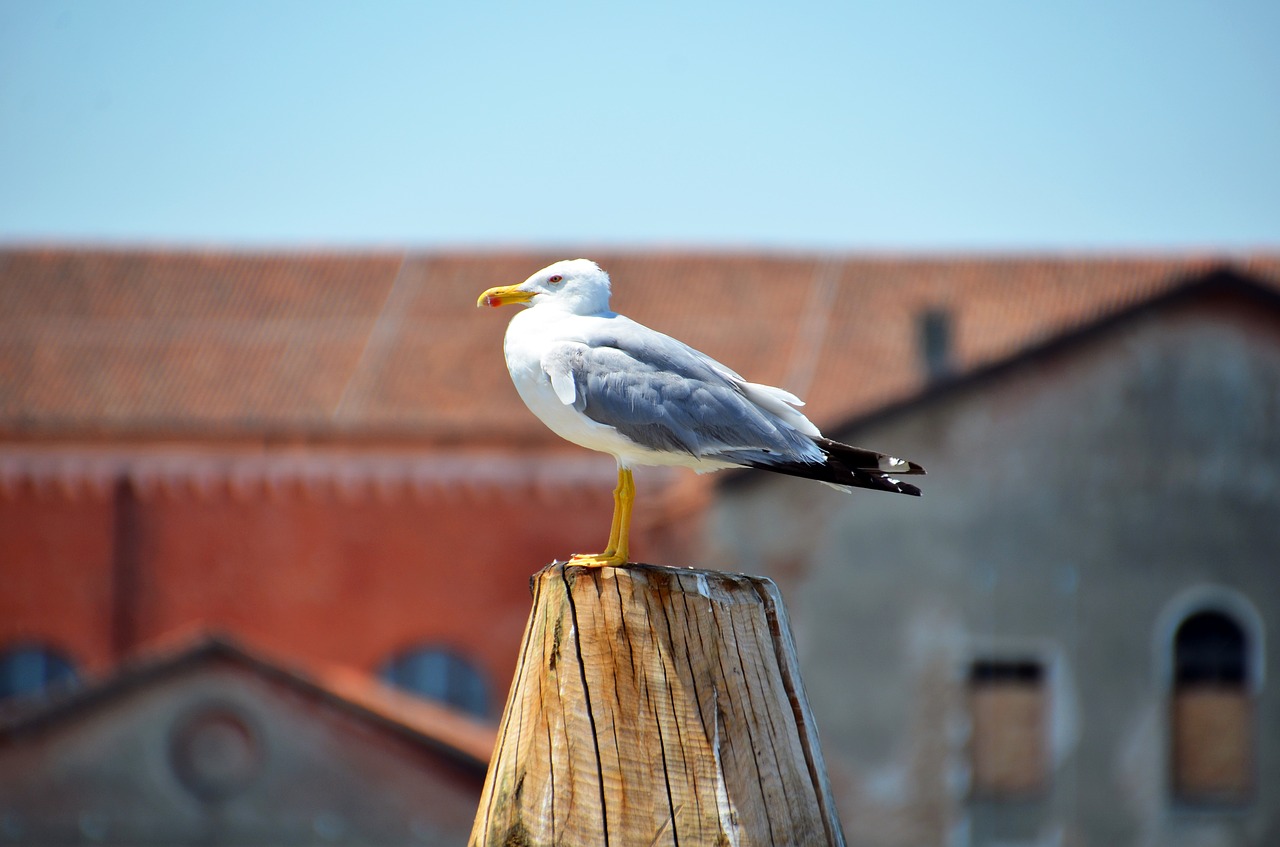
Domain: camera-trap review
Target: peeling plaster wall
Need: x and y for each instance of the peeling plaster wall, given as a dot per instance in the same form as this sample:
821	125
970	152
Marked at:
1072	503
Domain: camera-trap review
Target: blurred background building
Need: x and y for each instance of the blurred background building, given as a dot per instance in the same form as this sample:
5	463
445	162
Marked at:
248	500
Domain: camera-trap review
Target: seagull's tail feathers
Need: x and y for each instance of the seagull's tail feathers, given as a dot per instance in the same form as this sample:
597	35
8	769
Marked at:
781	404
848	467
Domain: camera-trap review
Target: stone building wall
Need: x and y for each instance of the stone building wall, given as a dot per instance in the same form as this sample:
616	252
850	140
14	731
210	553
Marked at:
1079	505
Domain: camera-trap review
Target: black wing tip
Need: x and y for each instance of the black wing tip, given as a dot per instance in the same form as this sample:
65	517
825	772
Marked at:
837	474
861	459
886	483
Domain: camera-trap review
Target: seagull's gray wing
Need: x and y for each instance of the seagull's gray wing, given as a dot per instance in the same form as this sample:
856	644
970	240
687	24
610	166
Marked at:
668	397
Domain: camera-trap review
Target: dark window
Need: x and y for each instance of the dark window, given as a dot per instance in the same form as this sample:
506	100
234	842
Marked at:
30	668
1008	755
1210	649
1024	671
440	674
1212	723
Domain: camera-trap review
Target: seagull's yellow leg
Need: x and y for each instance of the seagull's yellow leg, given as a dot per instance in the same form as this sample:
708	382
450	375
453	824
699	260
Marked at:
625	499
616	524
619	530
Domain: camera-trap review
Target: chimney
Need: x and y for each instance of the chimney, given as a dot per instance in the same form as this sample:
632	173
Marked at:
934	337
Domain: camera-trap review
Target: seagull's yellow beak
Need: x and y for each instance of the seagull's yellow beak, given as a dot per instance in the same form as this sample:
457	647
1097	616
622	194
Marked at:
503	295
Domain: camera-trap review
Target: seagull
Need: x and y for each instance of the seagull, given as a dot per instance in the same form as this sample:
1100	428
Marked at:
602	381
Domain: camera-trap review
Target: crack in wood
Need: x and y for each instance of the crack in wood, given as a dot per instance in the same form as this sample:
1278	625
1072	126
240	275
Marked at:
586	697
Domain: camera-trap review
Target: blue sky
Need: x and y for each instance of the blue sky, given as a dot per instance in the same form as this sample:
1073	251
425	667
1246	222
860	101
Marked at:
1084	125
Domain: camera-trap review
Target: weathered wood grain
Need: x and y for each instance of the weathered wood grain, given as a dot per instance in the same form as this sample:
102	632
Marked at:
656	706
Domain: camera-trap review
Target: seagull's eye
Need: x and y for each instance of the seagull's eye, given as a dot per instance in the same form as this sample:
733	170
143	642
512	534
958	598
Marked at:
556	280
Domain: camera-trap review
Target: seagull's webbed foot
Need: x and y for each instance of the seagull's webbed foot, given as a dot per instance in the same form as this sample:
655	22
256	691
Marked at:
597	560
614	555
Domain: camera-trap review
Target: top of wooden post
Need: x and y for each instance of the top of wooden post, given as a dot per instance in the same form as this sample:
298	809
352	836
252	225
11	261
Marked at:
654	706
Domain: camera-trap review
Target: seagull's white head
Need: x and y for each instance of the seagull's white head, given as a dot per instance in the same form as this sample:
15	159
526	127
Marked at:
577	286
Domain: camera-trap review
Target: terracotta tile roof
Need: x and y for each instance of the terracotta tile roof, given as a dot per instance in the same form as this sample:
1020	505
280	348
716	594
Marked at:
174	342
462	737
370	346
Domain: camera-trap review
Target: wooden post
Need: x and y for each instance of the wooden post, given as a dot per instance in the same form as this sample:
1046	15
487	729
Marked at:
656	706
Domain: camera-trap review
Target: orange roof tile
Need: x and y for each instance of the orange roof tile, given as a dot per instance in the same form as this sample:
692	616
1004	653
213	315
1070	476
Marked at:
376	346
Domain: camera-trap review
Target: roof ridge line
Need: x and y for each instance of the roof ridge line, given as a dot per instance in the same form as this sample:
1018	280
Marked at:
811	332
377	346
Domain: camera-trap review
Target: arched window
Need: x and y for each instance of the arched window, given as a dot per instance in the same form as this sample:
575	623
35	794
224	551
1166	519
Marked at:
31	668
1212	722
440	674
